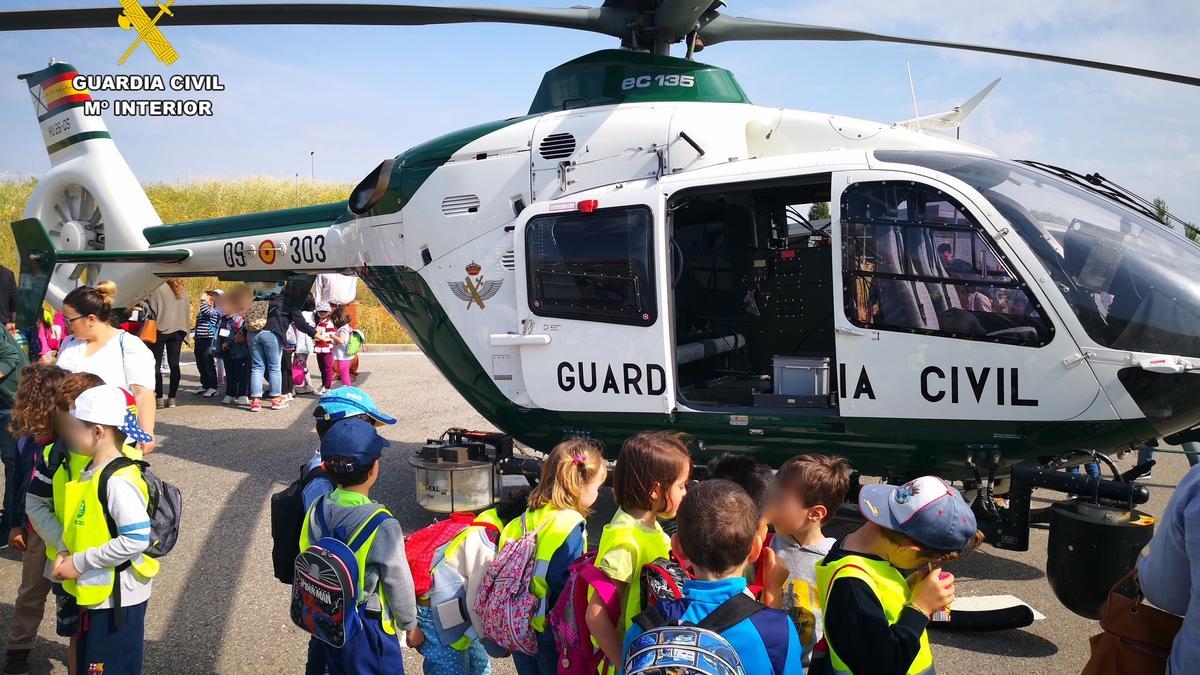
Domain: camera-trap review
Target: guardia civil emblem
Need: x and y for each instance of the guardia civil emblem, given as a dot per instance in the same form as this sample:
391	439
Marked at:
474	289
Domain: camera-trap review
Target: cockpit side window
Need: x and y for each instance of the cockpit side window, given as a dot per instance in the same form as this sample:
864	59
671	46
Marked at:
593	266
915	260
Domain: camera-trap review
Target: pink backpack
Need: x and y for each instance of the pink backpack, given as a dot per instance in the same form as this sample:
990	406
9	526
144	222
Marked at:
505	600
576	654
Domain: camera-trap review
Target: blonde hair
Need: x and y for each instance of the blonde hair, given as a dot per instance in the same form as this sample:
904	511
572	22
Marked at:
108	289
570	466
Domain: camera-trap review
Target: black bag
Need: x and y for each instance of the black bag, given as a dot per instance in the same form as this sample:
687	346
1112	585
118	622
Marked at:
662	579
287	519
165	506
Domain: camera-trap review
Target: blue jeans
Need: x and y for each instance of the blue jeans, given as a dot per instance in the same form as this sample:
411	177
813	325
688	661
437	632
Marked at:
545	662
265	353
442	659
12	491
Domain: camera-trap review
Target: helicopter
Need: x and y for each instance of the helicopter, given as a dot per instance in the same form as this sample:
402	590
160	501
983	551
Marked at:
638	252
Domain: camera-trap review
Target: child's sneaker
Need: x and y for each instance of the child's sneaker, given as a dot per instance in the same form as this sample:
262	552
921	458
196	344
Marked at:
242	400
279	404
16	662
227	400
209	393
320	391
256	406
199	392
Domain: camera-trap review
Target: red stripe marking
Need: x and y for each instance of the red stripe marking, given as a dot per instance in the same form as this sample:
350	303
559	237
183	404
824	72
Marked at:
70	74
76	98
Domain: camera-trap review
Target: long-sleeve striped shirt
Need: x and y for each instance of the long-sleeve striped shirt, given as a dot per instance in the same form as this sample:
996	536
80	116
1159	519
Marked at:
206	321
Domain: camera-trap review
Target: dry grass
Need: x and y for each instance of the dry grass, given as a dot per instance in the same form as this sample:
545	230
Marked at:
178	202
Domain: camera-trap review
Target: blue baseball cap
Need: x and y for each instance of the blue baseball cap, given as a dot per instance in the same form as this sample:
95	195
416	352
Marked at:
355	439
927	509
347	402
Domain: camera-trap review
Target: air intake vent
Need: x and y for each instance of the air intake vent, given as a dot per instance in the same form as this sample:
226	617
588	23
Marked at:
557	146
460	205
508	261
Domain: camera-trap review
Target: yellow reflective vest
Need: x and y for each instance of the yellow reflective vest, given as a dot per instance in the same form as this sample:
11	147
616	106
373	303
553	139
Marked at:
889	586
347	498
553	526
85	528
72	468
646	545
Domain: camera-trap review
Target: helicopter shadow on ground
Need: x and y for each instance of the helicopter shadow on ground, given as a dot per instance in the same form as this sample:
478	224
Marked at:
1011	643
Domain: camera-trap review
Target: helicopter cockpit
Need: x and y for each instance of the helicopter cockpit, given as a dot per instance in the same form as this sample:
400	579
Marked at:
1130	282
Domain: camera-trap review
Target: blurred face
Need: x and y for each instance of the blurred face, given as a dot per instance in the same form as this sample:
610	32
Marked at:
789	515
323	315
673	496
947	256
80	326
591	489
911	555
81	436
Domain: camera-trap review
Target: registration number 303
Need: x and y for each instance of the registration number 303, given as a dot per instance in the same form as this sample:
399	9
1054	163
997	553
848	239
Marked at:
645	81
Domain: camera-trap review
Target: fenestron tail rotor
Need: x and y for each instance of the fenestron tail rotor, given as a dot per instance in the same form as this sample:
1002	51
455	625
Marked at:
648	25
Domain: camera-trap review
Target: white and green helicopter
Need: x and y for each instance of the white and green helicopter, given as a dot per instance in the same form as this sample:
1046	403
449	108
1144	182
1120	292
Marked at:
636	253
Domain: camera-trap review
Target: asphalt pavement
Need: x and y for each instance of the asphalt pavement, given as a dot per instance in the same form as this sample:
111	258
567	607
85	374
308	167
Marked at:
217	608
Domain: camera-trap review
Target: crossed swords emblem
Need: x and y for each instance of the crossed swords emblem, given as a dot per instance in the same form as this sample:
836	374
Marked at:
134	17
475	291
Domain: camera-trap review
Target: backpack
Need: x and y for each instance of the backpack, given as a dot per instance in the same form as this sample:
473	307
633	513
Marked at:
165	506
355	344
669	644
287	519
325	591
420	547
661	580
505	599
576	653
256	315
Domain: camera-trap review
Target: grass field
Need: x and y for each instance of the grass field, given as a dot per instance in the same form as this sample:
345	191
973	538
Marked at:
178	202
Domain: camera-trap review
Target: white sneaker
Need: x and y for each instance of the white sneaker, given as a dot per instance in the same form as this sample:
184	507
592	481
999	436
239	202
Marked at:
288	397
209	393
227	400
321	391
302	389
243	400
199	392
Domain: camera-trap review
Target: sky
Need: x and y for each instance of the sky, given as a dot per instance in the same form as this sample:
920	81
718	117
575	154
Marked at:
356	95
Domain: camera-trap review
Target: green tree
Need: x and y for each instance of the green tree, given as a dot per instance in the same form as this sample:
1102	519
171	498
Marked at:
1160	211
818	211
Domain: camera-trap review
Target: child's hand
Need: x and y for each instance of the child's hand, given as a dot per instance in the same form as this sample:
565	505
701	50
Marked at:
16	539
64	567
775	575
933	591
415	638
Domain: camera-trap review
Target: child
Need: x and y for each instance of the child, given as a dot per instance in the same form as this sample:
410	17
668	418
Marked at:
875	619
342	360
304	347
204	333
649	482
717	534
323	345
112	628
235	351
457	572
808	491
33	423
351	450
558	507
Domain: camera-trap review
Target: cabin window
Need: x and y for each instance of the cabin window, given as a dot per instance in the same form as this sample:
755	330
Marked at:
593	266
915	260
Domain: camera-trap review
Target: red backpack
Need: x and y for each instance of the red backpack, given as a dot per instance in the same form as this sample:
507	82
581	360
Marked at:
420	547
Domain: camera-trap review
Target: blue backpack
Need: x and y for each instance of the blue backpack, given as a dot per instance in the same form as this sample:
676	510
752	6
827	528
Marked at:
325	588
670	645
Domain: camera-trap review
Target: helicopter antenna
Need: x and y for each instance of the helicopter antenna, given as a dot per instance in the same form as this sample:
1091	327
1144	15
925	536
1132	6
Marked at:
913	88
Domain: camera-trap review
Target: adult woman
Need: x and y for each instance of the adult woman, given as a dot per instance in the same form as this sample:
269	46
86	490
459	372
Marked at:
171	308
1169	571
266	353
96	347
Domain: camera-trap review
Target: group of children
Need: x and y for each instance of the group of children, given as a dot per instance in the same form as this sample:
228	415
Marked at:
748	571
82	542
223	350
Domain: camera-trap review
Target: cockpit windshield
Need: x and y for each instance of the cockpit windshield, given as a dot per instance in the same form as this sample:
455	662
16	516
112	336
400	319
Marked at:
1133	283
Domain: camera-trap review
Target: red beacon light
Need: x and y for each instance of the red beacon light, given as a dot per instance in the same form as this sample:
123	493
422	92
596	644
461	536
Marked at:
588	205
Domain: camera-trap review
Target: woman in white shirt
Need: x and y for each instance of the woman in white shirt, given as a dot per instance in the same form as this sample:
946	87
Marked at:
118	358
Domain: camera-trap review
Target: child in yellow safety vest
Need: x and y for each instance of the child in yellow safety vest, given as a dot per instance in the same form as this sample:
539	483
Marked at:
101	562
875	618
33	423
558	507
649	482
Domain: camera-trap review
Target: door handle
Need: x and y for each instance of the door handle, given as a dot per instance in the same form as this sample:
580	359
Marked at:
514	340
846	330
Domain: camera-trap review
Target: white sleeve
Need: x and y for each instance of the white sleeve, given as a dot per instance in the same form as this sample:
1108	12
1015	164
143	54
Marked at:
137	362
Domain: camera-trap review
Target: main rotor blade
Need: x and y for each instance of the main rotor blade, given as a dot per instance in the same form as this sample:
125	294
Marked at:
730	28
613	21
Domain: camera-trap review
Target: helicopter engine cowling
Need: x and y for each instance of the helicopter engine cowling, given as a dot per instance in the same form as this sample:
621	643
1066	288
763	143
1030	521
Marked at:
90	199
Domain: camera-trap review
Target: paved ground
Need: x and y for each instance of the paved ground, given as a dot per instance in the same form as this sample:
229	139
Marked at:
216	607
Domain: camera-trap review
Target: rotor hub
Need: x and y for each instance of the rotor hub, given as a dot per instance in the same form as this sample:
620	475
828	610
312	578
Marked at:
72	237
